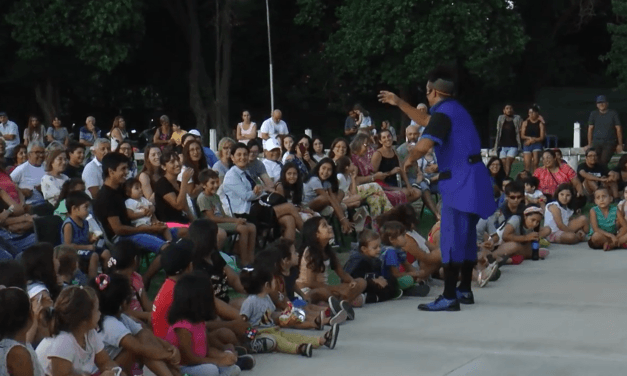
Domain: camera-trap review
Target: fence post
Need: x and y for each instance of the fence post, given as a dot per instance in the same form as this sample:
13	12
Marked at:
309	133
577	135
213	139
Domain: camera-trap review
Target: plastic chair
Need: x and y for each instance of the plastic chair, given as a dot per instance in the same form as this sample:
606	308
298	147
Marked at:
48	229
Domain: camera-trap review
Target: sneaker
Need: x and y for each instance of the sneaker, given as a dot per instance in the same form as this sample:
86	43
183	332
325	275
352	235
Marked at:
359	301
335	305
306	350
348	308
421	289
440	304
398	295
230	371
262	344
241	350
331	336
339	318
245	362
465	297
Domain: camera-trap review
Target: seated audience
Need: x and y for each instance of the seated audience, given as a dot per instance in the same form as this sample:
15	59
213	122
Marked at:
209	154
89	133
608	229
272	159
35	131
76	155
71	185
140	211
593	174
28	176
126	148
170	195
16	227
552	174
21	157
558	215
211	207
118	133
532	194
339	148
519	232
193	159
497	174
57	132
52	182
151	172
318	147
92	174
224	152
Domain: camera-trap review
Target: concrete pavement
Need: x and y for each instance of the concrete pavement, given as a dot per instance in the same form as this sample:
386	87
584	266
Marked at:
566	315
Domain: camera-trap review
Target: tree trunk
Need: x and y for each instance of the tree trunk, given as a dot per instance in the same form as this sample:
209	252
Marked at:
222	68
47	96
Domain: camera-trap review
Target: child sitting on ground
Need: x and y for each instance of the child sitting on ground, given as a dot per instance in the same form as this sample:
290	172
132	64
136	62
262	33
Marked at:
211	207
622	205
557	215
140	211
393	258
608	230
279	260
191	308
124	260
75	233
519	232
125	340
68	271
259	310
316	259
364	263
17	356
532	194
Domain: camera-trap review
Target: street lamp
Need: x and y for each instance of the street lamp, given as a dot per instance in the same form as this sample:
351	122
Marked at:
270	58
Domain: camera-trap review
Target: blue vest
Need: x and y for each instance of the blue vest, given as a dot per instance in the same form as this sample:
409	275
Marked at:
469	189
80	235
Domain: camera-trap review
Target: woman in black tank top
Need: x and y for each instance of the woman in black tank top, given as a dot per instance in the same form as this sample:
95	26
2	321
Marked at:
386	160
532	135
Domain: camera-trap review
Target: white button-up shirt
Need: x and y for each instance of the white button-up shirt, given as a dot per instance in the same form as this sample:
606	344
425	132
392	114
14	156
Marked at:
238	190
92	175
10	128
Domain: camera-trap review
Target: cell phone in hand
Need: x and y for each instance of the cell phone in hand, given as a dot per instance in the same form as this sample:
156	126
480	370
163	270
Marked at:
302	148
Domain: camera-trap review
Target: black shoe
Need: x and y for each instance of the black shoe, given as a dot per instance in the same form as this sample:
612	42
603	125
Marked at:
421	289
241	350
465	297
331	336
245	362
306	350
334	305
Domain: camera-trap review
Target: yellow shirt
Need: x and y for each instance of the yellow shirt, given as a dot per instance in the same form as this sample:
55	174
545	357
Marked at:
176	136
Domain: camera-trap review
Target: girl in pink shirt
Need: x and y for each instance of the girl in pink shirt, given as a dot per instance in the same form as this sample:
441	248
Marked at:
192	306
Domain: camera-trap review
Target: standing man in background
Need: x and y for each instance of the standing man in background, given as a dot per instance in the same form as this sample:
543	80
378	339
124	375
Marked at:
605	134
273	127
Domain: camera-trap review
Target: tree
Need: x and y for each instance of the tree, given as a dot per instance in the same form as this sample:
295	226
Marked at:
209	98
617	56
57	38
396	42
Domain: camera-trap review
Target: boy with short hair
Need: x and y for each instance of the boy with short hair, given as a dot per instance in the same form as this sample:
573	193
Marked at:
76	155
393	257
532	194
75	232
211	208
68	272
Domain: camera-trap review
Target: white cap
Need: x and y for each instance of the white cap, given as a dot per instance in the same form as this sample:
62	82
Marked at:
271	144
195	132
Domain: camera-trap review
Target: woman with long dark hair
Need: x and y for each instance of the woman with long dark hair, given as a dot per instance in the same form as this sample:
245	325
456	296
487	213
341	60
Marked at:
35	131
497	174
193	158
118	132
151	172
532	135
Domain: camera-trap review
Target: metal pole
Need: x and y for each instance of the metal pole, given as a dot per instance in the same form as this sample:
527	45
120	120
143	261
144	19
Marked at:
270	58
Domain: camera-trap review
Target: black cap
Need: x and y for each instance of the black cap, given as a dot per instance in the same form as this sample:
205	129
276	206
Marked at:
2	113
177	256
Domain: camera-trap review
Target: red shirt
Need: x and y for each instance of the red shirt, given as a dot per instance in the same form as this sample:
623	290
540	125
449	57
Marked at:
549	181
161	307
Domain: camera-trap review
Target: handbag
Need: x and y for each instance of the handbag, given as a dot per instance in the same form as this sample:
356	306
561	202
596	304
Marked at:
272	199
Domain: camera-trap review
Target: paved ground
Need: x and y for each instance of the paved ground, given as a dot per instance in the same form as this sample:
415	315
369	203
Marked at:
566	315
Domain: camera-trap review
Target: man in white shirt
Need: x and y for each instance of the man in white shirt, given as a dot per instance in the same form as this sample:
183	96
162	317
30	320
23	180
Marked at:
92	173
271	161
422	107
28	175
273	127
10	133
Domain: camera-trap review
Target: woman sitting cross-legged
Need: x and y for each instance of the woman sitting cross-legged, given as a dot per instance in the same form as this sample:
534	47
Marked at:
520	231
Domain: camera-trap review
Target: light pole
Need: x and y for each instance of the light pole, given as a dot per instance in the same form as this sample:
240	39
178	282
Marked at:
270	59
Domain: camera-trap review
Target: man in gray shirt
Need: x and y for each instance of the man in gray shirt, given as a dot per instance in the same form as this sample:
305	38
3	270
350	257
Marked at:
605	134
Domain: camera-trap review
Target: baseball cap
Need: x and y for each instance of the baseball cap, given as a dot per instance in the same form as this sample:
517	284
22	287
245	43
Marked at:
271	144
177	256
2	113
195	132
601	99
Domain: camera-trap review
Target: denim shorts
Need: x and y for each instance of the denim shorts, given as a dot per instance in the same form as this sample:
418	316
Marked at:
510	152
533	147
150	242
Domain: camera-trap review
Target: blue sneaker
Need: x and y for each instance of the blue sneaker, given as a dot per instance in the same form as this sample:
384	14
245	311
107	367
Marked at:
441	304
465	297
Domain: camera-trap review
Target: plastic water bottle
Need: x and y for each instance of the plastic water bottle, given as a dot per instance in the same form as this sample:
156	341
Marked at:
535	250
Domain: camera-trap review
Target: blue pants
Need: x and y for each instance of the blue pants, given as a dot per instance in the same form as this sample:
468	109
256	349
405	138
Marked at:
458	235
152	243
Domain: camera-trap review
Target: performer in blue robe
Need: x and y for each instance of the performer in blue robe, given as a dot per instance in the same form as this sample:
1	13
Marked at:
464	183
